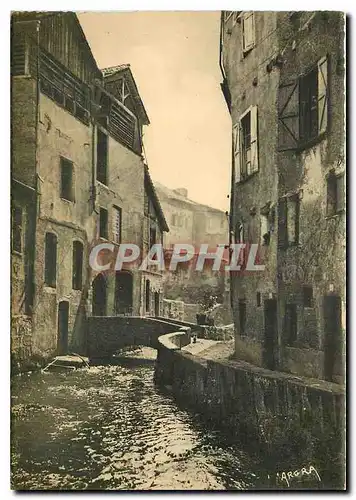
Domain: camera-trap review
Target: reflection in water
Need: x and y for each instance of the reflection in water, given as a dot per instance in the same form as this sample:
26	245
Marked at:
108	427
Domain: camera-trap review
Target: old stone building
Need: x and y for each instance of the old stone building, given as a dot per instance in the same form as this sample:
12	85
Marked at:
194	224
283	81
78	177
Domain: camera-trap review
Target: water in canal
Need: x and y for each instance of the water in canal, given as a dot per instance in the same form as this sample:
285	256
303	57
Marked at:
109	427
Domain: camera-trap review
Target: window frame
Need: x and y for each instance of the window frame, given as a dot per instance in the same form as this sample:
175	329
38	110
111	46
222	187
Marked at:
241	172
243	16
62	162
117	237
290	105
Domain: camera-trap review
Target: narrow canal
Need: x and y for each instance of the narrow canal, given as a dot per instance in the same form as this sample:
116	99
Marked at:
109	427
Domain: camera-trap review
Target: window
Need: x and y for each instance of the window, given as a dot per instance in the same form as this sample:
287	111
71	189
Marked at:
242	315
51	260
288	221
103	223
335	194
308	104
117	224
17	229
77	275
258	299
303	108
102	157
248	31
67	189
291	323
265	229
246	145
307	296
19	54
240	238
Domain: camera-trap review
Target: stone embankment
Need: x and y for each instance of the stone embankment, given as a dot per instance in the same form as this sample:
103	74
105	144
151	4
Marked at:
295	420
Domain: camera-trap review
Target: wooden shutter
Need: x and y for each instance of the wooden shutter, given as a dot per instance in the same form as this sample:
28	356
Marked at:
117	224
288	115
237	154
322	95
282	222
254	139
248	31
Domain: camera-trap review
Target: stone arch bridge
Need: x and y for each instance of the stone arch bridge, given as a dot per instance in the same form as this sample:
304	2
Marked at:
107	334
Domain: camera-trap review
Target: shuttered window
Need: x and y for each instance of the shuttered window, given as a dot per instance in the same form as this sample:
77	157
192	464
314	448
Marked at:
303	108
245	145
248	31
117	224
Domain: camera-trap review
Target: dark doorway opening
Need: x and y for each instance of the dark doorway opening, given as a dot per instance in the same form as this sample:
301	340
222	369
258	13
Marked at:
123	293
291	323
63	318
156	303
333	336
99	296
147	296
270	334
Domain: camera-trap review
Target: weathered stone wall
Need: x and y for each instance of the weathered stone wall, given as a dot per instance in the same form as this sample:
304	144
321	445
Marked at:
319	260
300	40
294	421
59	134
253	85
24	126
21	337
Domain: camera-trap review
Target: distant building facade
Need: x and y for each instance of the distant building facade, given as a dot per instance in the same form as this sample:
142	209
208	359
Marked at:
78	177
283	81
195	224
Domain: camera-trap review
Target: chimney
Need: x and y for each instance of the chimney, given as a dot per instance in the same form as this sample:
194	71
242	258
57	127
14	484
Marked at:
182	191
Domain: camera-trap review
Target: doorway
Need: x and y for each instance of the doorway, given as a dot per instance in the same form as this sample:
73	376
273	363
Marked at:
333	336
270	334
99	296
123	293
147	296
156	303
63	318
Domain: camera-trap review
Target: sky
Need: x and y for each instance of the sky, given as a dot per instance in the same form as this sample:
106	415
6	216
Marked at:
174	57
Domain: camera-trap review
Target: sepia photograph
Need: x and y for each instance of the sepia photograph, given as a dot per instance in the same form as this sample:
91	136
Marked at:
178	250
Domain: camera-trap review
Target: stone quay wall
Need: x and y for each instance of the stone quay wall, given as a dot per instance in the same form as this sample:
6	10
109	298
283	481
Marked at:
294	420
